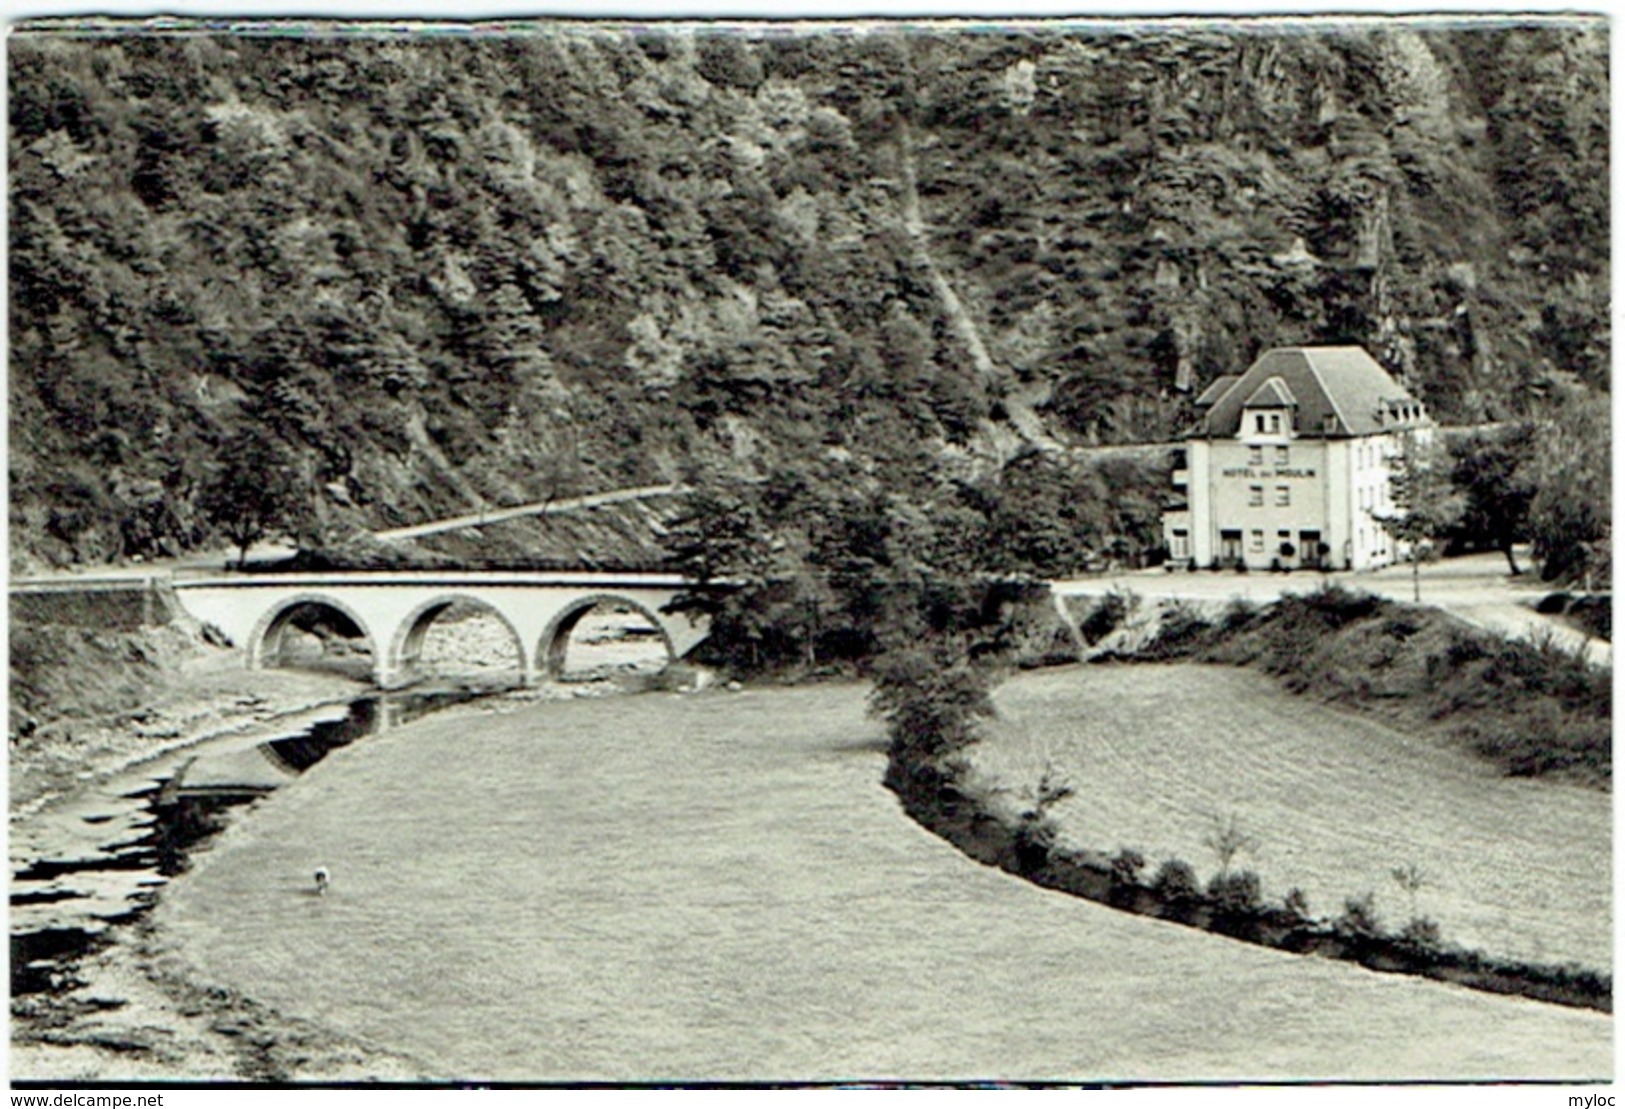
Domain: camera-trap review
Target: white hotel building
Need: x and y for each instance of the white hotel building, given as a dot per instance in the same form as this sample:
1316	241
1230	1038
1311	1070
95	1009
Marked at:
1288	464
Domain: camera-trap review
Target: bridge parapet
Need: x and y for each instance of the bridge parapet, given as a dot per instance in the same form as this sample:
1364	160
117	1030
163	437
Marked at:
124	603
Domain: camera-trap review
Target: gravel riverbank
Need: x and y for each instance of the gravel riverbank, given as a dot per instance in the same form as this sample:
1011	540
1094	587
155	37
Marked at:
128	1015
127	1012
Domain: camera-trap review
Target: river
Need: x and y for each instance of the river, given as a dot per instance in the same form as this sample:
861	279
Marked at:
715	886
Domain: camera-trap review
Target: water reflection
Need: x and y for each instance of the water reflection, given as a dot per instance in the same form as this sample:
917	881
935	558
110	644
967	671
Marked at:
63	901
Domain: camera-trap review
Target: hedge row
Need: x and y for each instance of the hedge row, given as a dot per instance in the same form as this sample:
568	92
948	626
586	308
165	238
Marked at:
933	799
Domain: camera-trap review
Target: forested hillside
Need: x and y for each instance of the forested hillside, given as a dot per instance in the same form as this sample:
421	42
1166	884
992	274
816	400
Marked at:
425	274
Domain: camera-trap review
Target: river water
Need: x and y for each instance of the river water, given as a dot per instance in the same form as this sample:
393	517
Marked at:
96	861
716	887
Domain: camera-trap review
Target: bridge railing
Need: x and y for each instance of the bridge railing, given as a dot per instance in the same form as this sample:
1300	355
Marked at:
325	565
85	584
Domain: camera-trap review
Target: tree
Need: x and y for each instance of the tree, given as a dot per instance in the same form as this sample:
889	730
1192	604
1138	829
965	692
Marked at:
1570	514
1227	839
774	607
1411	879
1426	504
932	697
1491	470
254	492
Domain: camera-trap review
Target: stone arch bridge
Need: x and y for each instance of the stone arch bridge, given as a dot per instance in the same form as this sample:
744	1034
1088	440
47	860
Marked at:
393	610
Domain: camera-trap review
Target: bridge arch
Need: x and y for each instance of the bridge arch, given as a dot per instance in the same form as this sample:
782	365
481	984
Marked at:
407	647
265	640
555	641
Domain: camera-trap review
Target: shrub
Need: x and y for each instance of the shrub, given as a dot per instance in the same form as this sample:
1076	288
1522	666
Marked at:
1553	604
1359	917
1034	839
1036	832
1180	631
1421	932
1176	881
1400	627
1594	615
1126	867
931	697
1107	616
1238	892
1537	738
1411	879
1332	606
1228	839
1465	647
1238	614
1035	634
1296	902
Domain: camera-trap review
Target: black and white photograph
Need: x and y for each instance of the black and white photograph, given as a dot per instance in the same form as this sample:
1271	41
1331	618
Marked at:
911	551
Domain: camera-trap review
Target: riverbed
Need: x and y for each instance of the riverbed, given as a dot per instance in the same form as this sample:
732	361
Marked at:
715	886
103	818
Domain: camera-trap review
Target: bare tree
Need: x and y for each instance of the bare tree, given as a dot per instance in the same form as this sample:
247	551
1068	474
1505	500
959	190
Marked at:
1227	839
1411	879
1426	504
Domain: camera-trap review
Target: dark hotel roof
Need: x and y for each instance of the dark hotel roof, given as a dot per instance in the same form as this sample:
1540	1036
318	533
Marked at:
1337	392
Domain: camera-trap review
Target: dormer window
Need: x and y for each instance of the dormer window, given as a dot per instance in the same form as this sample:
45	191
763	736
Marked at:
1267	423
1269	410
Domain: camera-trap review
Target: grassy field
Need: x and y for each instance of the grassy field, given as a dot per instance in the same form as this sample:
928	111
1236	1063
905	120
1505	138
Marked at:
717	887
1336	801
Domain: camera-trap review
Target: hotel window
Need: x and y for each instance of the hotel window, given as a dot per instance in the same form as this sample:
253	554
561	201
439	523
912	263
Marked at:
1283	495
1282	455
1258	422
1255	456
1179	546
1255	495
1275	423
1257	542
